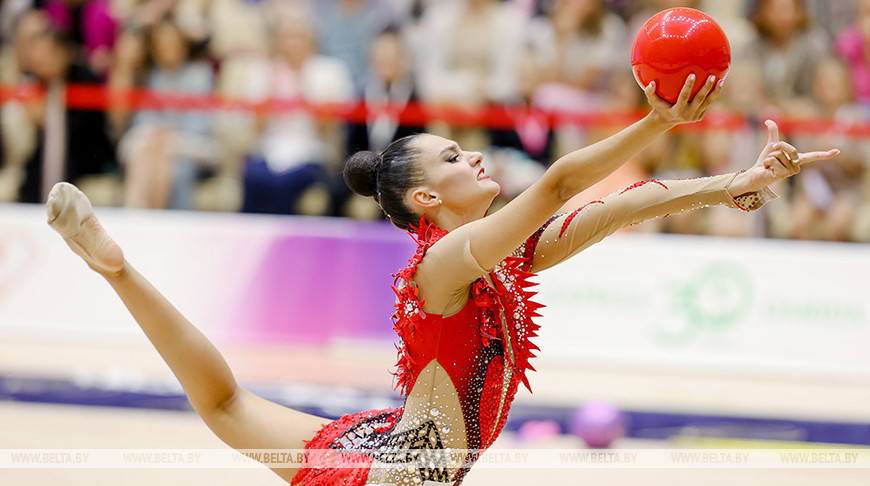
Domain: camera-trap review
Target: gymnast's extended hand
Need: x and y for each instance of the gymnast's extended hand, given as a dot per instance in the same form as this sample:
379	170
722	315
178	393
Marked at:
777	161
237	416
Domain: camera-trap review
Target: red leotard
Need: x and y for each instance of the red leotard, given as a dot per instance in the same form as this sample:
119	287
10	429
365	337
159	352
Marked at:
484	349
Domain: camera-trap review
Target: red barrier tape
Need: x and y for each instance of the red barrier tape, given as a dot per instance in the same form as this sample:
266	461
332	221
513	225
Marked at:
99	97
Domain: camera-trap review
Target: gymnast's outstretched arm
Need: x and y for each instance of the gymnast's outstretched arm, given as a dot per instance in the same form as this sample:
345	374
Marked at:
496	236
481	244
574	231
238	417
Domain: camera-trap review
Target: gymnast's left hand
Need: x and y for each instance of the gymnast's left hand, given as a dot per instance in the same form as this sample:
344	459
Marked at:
777	161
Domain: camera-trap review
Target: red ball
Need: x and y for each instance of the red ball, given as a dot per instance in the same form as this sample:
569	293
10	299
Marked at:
675	43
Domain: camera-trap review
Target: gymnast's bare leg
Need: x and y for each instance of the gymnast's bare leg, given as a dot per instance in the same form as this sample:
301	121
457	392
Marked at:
238	417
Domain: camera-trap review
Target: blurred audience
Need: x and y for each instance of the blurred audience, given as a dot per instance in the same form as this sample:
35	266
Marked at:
580	45
72	144
827	197
288	172
852	46
786	49
92	27
469	58
18	131
346	29
164	151
389	93
803	62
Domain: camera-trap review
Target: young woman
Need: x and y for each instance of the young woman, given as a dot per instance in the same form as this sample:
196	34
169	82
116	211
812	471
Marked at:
463	308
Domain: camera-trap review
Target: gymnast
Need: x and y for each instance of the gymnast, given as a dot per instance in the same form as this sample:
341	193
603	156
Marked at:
464	313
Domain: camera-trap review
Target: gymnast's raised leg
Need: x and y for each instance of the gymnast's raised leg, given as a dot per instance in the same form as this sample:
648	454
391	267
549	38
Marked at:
238	417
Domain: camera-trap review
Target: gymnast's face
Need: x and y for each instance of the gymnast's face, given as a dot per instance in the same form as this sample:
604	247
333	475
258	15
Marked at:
455	179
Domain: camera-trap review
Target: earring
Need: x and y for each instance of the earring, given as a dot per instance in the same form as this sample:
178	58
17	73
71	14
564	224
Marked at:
440	202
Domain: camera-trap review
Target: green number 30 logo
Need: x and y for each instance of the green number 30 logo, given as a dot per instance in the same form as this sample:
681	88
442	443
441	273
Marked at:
714	299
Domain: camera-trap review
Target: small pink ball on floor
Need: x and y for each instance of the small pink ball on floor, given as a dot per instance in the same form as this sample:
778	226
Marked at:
598	423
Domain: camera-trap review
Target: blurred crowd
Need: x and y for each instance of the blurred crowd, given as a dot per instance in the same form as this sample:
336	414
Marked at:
800	59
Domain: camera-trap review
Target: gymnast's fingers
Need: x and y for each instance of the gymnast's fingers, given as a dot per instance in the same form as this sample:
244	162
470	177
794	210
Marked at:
712	96
788	162
654	99
701	95
686	92
789	150
772	131
816	156
776	166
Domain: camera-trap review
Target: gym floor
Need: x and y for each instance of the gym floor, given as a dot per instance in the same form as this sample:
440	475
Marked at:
62	426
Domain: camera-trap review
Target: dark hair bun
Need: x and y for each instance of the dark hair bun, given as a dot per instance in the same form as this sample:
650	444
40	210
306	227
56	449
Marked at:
360	172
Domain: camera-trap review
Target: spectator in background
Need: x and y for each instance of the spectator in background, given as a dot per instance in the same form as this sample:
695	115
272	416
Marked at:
17	127
237	28
92	26
786	50
852	46
389	90
11	12
581	45
827	197
191	16
297	151
469	58
164	150
73	145
239	42
346	29
833	15
581	41
531	132
389	84
745	94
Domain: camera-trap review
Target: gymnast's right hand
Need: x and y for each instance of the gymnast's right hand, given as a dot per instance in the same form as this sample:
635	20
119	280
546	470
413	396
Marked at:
685	110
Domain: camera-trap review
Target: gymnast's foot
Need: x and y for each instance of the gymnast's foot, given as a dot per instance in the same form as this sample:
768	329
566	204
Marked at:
70	214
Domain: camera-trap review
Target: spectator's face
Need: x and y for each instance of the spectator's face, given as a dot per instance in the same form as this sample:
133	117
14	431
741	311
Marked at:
745	91
782	17
295	44
832	84
479	3
169	47
578	10
32	25
48	60
388	58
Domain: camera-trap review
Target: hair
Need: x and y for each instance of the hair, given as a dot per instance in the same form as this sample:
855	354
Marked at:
764	29
59	39
150	36
387	177
593	24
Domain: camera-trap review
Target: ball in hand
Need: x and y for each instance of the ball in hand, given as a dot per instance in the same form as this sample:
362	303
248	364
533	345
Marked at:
675	43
